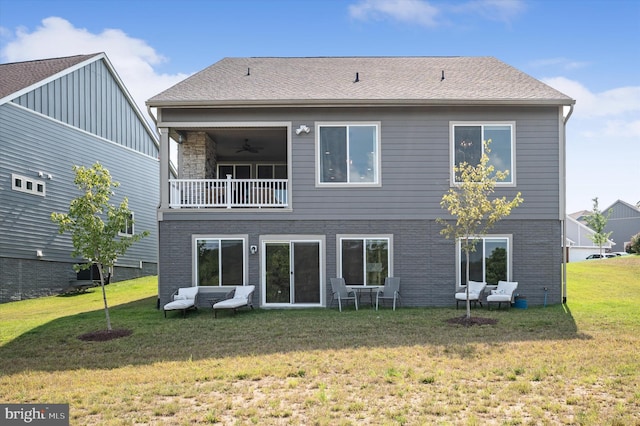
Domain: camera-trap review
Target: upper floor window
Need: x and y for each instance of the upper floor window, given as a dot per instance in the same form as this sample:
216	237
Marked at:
28	185
467	141
127	229
348	154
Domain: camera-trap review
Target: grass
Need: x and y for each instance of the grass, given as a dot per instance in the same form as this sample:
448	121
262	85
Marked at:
575	364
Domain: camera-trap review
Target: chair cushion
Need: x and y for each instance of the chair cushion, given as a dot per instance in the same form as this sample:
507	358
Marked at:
463	296
178	304
188	292
230	303
243	291
179	297
499	298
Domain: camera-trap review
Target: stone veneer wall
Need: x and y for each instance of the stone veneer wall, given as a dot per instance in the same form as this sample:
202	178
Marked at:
198	156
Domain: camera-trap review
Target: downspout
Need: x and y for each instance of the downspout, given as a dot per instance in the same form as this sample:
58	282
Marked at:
563	220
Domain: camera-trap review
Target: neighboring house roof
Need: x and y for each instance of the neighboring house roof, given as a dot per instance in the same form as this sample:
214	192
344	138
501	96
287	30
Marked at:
579	216
579	235
19	76
632	210
359	80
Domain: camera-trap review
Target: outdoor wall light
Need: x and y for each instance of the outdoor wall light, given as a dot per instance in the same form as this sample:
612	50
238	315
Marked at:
39	253
303	128
253	249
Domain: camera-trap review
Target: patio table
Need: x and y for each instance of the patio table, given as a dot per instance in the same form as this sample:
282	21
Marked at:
360	289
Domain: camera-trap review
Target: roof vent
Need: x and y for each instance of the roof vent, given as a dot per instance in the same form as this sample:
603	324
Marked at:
357	77
248	71
442	76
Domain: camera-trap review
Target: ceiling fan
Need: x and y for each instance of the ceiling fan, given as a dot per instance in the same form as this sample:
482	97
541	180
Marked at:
248	148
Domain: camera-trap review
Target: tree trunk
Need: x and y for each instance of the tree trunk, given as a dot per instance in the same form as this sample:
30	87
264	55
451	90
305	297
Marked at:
467	290
104	296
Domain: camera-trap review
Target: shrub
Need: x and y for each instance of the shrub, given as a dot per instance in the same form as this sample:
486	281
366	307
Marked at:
634	246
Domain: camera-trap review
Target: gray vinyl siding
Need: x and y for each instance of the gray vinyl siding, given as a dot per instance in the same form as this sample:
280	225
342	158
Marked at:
31	143
415	153
423	259
623	224
91	99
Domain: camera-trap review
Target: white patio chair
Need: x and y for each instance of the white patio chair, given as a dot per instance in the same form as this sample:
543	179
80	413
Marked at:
504	293
242	296
182	299
342	293
476	289
391	290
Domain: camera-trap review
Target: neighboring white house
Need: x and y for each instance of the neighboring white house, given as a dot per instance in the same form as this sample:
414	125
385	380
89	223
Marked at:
56	113
579	242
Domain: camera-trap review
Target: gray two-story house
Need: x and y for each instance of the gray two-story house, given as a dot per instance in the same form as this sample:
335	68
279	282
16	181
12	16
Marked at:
296	170
54	114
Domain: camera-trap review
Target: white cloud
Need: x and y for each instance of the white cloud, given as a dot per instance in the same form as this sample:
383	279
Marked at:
563	63
426	14
412	11
603	144
132	58
494	10
620	101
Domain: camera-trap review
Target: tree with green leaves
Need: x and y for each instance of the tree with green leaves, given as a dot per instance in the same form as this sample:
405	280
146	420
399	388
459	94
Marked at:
469	202
597	221
95	224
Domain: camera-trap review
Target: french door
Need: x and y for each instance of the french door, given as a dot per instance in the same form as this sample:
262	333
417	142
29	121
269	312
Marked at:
292	272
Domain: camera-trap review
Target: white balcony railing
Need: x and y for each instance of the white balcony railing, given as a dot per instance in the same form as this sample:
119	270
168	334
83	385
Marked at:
228	193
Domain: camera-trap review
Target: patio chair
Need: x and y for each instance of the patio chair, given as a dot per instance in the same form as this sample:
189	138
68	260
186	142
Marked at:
504	293
182	299
391	290
342	293
242	296
476	289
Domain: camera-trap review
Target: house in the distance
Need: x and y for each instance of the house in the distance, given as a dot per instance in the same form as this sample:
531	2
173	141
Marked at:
54	114
296	170
623	223
579	241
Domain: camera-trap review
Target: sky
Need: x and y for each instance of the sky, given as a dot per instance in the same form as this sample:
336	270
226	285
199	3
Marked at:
587	49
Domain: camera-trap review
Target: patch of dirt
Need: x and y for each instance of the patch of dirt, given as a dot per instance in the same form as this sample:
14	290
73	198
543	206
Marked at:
104	335
468	322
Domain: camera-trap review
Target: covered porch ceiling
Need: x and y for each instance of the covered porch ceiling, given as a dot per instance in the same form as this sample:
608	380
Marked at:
263	144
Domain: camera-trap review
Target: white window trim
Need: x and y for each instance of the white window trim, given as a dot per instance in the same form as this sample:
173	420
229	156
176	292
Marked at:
25	180
194	253
508	237
482	124
288	239
133	229
377	173
340	237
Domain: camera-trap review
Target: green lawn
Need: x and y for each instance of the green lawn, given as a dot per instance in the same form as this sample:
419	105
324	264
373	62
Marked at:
575	364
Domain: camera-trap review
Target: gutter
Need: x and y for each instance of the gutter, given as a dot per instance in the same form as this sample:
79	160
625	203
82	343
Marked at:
360	103
563	220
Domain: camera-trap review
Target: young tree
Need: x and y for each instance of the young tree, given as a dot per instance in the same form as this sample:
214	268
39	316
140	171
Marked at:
468	201
95	224
597	221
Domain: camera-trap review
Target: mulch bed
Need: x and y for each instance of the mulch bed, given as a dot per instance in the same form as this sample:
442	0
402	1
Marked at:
104	335
468	322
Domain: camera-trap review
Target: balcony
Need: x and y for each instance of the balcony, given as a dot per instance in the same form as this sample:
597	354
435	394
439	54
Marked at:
228	193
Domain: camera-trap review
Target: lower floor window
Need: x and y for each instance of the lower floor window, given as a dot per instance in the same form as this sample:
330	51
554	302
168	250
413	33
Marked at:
490	262
219	261
364	261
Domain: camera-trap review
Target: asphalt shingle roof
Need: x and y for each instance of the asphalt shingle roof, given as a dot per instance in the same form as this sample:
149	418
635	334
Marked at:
19	75
322	80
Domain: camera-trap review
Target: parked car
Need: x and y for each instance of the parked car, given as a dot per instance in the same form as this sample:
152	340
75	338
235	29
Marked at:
602	256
